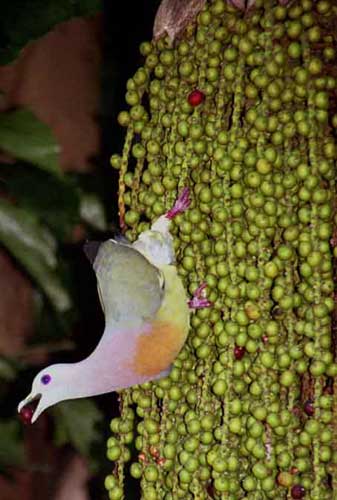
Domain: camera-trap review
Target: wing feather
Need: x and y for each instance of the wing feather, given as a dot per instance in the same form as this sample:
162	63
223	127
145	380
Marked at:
130	287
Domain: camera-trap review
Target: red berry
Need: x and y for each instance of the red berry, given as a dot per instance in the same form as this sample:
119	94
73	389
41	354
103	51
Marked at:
196	97
309	408
26	414
297	491
265	339
239	352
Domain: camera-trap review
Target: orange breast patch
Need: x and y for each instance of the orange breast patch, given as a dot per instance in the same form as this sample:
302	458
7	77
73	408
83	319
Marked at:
156	349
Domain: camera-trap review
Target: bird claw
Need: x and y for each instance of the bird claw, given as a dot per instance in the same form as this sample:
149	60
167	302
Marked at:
182	203
198	300
196	303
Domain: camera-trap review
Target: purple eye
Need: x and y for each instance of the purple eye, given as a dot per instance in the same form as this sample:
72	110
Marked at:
45	379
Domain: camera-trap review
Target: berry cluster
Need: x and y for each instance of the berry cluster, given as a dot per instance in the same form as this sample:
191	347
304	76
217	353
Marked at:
240	110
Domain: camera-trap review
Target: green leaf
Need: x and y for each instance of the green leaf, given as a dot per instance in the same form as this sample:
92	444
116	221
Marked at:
24	20
34	247
28	139
55	200
92	211
50	325
11	449
17	226
7	371
75	423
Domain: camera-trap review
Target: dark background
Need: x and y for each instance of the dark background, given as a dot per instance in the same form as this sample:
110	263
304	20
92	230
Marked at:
66	62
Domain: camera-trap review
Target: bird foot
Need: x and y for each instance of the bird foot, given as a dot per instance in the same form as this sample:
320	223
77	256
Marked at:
182	203
199	300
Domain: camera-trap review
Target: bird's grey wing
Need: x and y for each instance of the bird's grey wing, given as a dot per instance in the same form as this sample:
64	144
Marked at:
130	287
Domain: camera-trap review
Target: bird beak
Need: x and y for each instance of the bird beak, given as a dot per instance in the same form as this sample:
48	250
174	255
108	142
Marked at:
28	400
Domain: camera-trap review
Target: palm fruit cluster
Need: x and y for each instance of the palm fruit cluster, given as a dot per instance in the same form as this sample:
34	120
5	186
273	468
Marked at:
241	111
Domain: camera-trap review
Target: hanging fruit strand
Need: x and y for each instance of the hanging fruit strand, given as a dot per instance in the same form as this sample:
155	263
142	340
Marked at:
240	109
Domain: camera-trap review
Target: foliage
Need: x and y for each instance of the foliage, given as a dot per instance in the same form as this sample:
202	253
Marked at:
24	136
70	426
24	20
11	450
59	205
40	207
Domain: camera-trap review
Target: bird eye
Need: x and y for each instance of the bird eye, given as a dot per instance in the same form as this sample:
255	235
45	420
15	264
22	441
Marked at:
45	379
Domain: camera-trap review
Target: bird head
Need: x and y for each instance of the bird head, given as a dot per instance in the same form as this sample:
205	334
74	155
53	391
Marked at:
48	388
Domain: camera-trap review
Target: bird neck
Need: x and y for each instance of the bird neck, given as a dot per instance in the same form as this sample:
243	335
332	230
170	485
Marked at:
108	367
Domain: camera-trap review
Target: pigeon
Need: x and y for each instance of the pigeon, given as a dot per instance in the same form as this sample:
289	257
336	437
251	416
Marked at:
147	315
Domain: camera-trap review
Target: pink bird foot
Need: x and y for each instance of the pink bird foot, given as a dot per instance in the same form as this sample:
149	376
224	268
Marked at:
182	203
198	300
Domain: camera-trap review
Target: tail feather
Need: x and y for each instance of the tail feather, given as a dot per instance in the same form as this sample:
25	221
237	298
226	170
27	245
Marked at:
90	249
